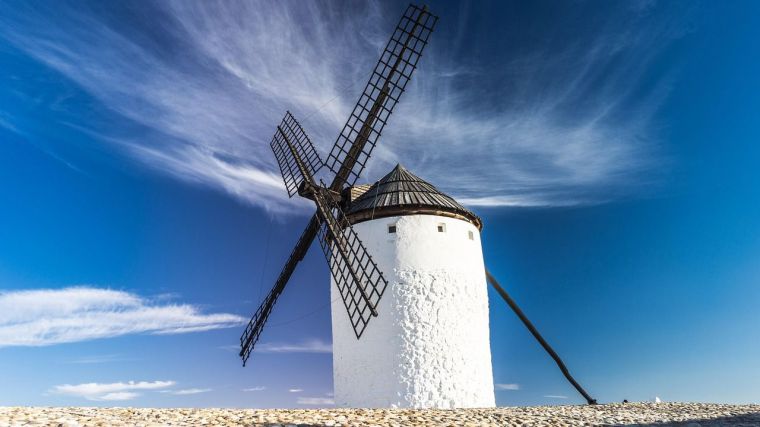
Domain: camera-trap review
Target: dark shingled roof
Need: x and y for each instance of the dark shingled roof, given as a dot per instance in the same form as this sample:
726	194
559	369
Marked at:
403	193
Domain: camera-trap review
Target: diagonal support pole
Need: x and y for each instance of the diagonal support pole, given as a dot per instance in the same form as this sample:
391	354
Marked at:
513	305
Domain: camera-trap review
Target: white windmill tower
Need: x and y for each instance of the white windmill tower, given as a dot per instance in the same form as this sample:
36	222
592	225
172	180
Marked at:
430	346
401	254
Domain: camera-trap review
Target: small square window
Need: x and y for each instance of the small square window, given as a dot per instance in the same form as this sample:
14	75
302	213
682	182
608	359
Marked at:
441	228
470	235
392	228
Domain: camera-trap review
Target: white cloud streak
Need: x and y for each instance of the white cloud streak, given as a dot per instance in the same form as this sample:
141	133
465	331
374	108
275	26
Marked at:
5	122
555	396
507	386
315	401
189	391
557	127
110	391
54	316
310	346
257	388
295	390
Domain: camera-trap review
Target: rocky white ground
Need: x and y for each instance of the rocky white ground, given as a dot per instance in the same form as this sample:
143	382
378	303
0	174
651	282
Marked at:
681	414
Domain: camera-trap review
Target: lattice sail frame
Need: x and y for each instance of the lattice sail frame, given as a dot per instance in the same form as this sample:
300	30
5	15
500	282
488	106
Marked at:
291	174
359	280
386	84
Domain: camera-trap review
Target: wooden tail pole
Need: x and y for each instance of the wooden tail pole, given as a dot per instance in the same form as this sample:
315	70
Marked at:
513	305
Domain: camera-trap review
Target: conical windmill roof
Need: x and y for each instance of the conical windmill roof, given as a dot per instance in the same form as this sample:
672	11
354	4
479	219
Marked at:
403	193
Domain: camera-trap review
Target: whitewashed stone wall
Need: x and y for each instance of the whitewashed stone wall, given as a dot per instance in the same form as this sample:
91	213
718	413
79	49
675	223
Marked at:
429	347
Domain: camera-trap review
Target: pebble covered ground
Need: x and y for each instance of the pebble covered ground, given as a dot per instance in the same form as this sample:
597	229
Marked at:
679	414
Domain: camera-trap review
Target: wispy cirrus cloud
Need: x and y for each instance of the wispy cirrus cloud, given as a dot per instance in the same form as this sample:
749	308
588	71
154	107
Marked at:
257	388
544	123
511	386
5	122
316	401
555	396
309	346
54	316
187	391
110	391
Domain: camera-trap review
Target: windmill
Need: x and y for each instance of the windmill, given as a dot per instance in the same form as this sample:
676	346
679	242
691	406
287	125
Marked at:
396	362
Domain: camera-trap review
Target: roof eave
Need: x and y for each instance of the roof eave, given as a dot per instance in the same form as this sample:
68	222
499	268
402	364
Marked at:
403	210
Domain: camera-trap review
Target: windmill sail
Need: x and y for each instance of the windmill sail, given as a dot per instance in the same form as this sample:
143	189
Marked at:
256	324
292	175
354	145
360	282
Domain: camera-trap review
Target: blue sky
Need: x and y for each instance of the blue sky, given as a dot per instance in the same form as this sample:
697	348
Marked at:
610	148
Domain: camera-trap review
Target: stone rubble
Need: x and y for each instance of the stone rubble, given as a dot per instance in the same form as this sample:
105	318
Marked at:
659	414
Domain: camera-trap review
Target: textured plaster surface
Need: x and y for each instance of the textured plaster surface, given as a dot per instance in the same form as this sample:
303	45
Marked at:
429	346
